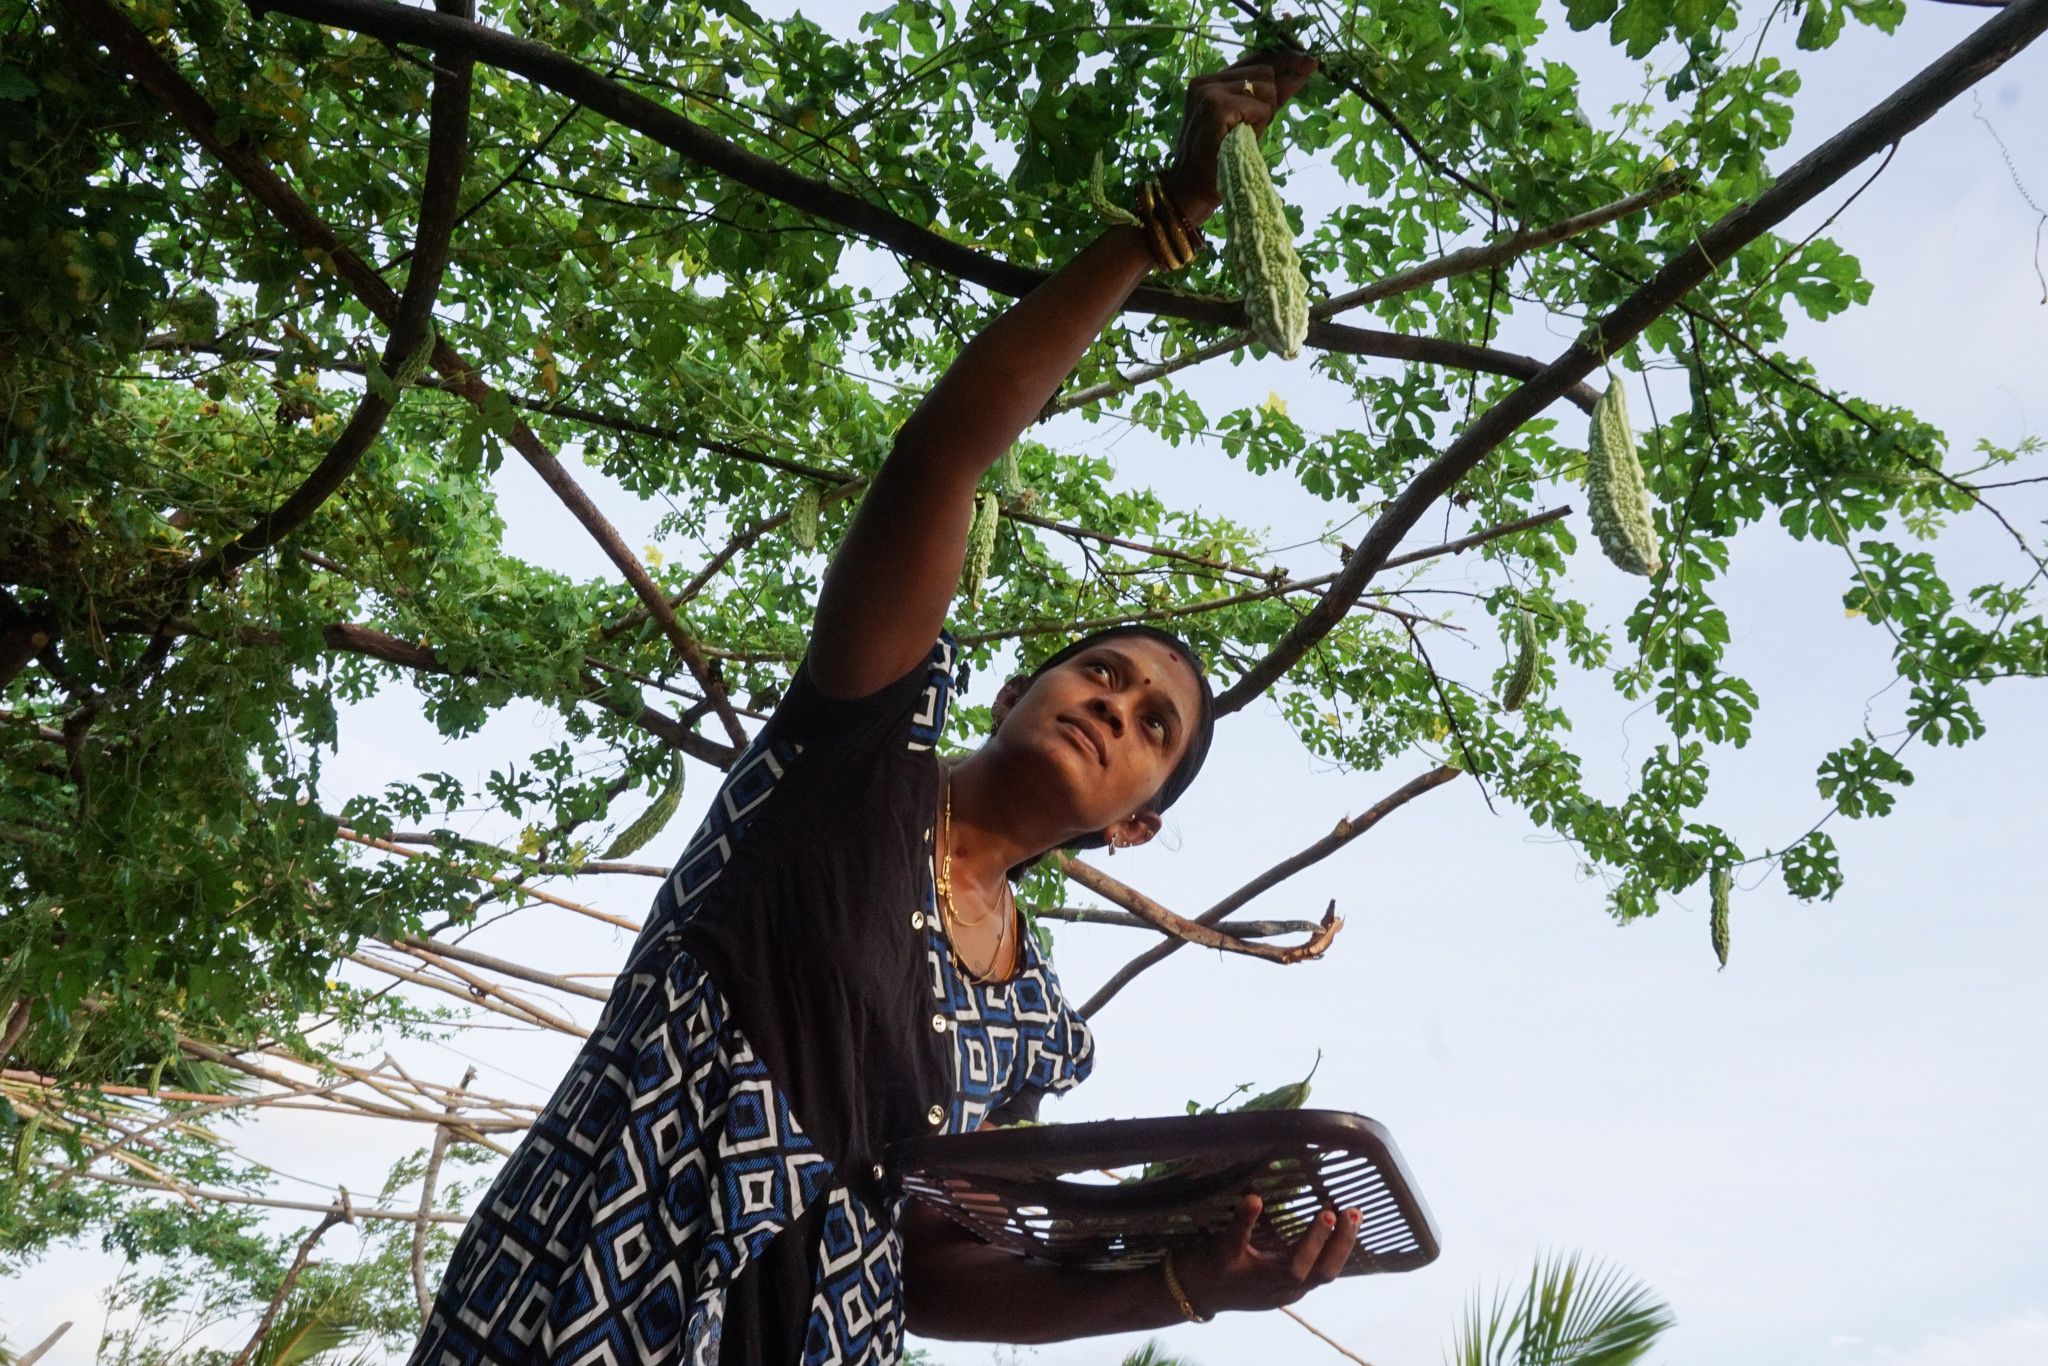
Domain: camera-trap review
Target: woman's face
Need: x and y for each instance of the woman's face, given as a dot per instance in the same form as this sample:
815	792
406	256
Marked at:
1098	736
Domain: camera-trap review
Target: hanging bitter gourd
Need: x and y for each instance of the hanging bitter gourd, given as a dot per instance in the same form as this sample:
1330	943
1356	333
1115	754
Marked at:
981	544
1525	663
1723	881
1260	247
803	517
1615	497
655	818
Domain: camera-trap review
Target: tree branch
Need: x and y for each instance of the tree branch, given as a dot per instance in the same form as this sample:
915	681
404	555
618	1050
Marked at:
1237	929
1276	590
291	1278
556	71
1484	256
447	156
155	74
366	640
343	833
1911	105
428	1180
1340	835
1193	931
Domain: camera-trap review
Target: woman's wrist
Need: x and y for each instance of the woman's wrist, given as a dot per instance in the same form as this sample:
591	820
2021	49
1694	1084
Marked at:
1197	203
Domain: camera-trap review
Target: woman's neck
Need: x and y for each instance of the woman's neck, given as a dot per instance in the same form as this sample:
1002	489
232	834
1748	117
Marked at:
989	835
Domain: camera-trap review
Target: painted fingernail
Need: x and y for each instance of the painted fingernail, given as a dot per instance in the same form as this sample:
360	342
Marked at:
1329	1219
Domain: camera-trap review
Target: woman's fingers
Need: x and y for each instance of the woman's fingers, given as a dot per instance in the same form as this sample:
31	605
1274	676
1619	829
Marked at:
1337	1251
1309	1248
1245	1220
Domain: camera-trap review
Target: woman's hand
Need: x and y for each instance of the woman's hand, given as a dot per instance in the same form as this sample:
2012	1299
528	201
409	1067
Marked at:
1227	1272
1250	91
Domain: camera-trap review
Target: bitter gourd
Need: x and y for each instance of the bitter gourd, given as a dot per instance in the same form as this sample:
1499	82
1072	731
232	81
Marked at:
1615	497
1525	664
803	517
1723	882
1260	246
655	818
1292	1096
981	544
1098	197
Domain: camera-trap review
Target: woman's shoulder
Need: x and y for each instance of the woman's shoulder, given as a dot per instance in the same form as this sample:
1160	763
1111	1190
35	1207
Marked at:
913	707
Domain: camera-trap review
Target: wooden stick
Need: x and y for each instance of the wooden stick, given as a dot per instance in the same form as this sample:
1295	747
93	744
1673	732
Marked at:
35	1353
510	969
524	1015
232	1198
1324	1336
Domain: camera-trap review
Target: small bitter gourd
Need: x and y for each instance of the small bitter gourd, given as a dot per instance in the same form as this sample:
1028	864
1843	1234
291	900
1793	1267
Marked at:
1292	1096
1615	497
1098	198
1525	663
655	818
803	517
1723	881
1260	246
981	544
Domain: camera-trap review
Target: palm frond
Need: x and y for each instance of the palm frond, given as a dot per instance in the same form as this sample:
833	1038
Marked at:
1568	1316
1152	1354
308	1327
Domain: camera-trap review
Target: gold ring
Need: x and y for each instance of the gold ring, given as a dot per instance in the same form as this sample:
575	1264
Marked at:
1250	89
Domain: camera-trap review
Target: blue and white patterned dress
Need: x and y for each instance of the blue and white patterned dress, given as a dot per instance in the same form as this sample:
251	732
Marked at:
672	1158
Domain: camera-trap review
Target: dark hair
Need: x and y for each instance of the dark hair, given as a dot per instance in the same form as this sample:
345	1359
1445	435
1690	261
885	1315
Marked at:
1197	751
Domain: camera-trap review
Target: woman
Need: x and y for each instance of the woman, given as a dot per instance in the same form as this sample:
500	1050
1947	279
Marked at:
837	962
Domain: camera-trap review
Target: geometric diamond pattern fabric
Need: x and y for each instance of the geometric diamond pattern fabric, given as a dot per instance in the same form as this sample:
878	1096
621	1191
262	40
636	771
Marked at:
668	1158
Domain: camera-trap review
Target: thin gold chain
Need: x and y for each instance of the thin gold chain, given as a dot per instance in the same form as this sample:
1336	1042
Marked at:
942	878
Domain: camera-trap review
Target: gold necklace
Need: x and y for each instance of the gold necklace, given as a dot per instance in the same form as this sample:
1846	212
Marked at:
945	869
942	878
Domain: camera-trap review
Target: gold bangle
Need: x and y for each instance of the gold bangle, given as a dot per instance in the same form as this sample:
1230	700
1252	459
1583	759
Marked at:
1168	219
1180	1296
1197	244
1153	209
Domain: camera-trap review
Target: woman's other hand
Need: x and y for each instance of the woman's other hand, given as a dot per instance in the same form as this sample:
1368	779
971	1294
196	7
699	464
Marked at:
1227	1272
1250	91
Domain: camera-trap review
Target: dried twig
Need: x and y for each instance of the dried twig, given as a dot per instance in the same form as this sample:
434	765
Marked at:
1340	835
1194	931
35	1353
1237	929
1324	1336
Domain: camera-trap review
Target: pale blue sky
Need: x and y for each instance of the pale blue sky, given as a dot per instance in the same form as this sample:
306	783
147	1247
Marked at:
1830	1153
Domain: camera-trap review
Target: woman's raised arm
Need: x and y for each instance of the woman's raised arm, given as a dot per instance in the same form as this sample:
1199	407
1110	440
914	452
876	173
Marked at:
886	594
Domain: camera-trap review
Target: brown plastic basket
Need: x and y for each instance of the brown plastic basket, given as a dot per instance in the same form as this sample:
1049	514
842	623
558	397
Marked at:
1016	1187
